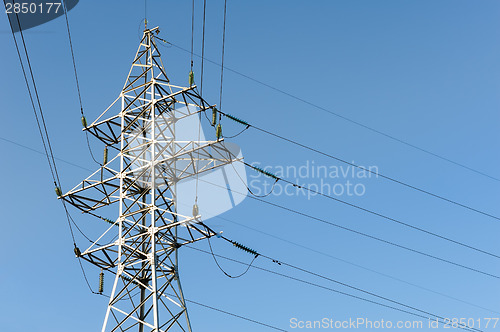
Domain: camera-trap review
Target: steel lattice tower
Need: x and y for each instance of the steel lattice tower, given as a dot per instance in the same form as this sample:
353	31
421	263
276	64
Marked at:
146	162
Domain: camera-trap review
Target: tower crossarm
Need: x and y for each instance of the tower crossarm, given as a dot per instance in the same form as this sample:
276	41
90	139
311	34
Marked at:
108	129
105	256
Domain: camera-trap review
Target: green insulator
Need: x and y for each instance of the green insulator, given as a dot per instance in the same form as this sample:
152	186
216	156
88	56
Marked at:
84	122
214	116
271	175
58	191
105	160
101	282
242	247
191	78
237	120
109	221
196	211
218	131
77	252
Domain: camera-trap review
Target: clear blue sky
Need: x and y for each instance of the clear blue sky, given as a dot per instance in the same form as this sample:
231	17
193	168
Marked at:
426	72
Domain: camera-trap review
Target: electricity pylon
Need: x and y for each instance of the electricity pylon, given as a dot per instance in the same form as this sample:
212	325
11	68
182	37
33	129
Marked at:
150	159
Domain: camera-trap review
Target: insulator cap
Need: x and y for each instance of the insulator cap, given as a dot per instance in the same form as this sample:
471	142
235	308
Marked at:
101	282
214	116
77	252
218	131
84	122
242	247
191	78
109	221
237	120
58	191
105	159
260	170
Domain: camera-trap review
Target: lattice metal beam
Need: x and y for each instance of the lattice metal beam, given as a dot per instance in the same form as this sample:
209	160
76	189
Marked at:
149	160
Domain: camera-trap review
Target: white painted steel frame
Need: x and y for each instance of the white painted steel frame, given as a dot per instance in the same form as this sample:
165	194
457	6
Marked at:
150	231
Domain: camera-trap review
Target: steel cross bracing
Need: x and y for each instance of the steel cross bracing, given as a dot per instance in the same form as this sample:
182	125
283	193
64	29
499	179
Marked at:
150	158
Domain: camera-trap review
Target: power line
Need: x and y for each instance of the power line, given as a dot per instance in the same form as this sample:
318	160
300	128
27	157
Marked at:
338	291
346	118
212	307
192	34
352	164
293	243
258	322
223	271
282	263
235	315
222	60
357	232
365	169
203	46
77	82
72	56
44	135
383	274
40	152
45	139
345	161
51	153
354	264
374	213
